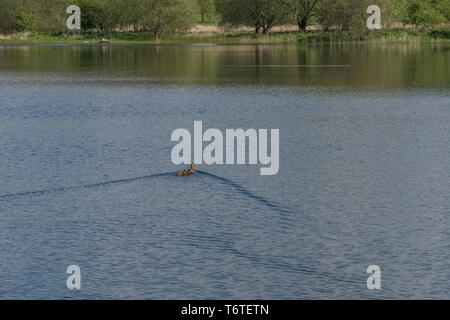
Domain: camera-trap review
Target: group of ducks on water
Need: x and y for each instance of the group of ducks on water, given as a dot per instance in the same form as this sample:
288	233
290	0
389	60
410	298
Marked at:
187	172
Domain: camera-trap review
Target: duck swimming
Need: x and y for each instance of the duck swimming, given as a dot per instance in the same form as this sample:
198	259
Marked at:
187	172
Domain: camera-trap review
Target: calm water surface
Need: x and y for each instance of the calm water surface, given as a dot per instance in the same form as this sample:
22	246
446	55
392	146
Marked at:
86	176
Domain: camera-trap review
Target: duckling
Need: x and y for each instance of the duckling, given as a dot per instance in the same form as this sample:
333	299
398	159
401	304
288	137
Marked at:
192	169
187	172
180	173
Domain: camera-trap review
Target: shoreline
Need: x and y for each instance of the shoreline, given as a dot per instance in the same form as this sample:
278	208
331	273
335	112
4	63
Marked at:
232	37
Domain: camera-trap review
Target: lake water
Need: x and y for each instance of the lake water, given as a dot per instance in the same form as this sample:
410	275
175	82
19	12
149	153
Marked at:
87	179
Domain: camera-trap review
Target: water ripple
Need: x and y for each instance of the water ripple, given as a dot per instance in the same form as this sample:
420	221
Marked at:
240	189
87	186
243	191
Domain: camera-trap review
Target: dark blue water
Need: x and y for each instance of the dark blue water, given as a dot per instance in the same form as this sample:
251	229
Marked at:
87	179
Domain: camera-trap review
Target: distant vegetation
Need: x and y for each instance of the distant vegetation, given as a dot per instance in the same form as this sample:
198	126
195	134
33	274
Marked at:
169	18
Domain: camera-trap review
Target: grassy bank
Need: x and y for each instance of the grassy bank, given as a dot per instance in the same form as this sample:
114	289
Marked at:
408	35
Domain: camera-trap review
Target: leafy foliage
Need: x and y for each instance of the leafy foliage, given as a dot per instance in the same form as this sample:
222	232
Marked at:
165	17
426	13
206	8
262	14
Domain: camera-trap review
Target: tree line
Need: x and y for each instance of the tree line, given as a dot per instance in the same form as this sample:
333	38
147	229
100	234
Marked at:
162	17
348	15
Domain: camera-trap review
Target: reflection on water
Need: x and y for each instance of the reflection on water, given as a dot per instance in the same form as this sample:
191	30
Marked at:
356	65
86	176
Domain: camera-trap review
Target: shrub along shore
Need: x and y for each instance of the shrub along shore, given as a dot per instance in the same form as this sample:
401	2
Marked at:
316	36
243	21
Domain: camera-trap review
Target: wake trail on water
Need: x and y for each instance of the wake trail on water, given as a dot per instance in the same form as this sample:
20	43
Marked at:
243	191
86	186
240	189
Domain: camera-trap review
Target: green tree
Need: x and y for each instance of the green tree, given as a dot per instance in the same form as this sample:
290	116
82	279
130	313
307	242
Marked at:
351	15
166	16
50	15
92	14
132	14
345	15
425	13
399	10
303	11
7	8
206	8
113	13
444	8
262	14
24	20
